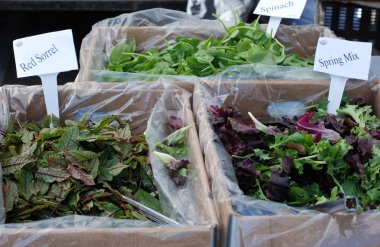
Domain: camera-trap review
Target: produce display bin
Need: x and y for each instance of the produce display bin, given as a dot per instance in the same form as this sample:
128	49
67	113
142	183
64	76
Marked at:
190	205
248	222
156	27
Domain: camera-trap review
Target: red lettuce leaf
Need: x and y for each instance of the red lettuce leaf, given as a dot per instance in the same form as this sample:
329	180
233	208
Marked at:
365	148
287	163
305	123
175	165
245	168
351	139
340	123
375	133
221	114
242	127
356	164
232	142
175	123
278	186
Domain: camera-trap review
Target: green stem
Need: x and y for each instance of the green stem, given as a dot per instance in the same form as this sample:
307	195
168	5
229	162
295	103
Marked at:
223	47
212	67
282	48
243	157
309	157
135	54
337	183
229	60
261	193
220	20
278	144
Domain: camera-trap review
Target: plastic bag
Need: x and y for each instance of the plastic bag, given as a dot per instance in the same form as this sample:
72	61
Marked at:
129	101
256	219
189	193
155	27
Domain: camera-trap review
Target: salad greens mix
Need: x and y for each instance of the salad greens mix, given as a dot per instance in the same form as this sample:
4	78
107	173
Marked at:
311	159
242	44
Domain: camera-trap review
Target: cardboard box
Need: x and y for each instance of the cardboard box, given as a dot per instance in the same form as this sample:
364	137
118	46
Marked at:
133	101
322	229
97	45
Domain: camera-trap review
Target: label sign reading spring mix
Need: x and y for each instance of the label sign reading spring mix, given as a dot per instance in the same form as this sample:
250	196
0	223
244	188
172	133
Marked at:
343	58
45	54
281	8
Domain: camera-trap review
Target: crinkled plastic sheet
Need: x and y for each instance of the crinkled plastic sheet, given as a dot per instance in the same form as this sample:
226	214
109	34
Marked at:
130	101
155	27
260	96
190	194
80	222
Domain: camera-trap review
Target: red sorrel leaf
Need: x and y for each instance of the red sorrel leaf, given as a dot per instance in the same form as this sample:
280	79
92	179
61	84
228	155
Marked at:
80	175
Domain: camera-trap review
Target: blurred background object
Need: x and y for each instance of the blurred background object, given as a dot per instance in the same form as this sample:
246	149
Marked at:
352	20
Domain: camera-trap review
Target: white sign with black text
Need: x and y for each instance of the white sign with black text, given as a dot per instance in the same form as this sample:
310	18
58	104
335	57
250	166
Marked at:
281	8
45	54
344	58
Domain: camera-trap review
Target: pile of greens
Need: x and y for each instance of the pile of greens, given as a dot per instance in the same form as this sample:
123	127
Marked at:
77	168
242	44
172	151
311	159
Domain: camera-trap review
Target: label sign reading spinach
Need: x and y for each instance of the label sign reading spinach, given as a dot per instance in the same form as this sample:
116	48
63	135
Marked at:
281	8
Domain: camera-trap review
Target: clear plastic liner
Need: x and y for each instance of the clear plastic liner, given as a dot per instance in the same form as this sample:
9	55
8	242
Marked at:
134	102
189	193
80	221
156	27
258	96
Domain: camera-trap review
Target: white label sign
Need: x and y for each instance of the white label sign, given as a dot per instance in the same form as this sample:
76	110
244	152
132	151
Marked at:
45	54
281	8
343	58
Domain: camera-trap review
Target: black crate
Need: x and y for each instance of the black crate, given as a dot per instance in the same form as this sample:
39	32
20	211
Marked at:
353	21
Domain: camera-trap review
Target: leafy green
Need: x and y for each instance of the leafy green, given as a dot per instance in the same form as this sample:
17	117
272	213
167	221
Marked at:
260	126
149	200
321	109
361	115
373	165
242	44
75	168
50	175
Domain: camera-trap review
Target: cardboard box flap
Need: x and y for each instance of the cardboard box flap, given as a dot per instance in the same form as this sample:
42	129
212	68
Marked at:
78	236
